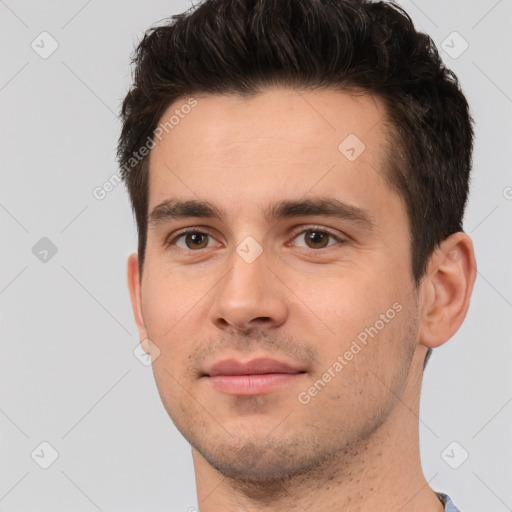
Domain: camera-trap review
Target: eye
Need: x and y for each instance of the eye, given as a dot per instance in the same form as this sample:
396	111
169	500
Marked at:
312	238
193	240
316	239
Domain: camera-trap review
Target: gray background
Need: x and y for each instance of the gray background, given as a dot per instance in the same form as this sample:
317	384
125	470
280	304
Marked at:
68	375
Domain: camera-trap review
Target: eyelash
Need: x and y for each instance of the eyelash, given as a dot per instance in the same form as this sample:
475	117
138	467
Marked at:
172	240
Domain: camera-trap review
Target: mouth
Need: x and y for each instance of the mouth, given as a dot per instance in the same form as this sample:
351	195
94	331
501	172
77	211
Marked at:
255	377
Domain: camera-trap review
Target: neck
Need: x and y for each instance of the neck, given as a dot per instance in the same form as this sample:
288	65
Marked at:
382	472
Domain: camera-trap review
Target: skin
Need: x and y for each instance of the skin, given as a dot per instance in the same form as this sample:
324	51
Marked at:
354	446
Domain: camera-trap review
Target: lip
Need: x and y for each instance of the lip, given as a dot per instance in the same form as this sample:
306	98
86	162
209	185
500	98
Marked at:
253	367
254	377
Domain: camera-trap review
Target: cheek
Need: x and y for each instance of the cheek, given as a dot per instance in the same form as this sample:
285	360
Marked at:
175	313
364	367
346	302
167	298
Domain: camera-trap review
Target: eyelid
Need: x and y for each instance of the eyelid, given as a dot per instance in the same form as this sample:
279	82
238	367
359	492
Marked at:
174	236
301	229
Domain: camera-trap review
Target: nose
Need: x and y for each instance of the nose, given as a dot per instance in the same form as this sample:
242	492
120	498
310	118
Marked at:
249	297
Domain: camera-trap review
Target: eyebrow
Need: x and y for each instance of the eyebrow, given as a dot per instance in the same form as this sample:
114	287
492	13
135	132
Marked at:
174	209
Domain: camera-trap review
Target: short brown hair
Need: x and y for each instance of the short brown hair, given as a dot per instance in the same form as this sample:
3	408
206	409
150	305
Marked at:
241	46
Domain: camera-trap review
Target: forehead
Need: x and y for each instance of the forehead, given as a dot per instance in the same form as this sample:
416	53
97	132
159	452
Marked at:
281	117
242	151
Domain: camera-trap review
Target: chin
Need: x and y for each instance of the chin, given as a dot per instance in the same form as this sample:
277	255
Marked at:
268	461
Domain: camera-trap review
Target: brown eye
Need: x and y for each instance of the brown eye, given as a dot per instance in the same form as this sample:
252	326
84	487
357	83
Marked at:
316	239
194	240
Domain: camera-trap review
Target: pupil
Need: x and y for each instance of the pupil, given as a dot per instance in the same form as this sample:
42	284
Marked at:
196	239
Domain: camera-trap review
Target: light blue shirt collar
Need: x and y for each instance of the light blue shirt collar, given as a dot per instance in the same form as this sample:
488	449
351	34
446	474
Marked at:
448	504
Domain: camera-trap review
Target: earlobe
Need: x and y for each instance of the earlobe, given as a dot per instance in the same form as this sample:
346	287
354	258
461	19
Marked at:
134	286
447	289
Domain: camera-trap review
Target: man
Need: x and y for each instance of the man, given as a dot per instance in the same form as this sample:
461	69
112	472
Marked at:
298	172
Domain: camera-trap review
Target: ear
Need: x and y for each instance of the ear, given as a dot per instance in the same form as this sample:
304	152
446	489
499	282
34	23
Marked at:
446	289
134	286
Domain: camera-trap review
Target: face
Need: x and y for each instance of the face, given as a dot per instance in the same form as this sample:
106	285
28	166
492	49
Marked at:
276	290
